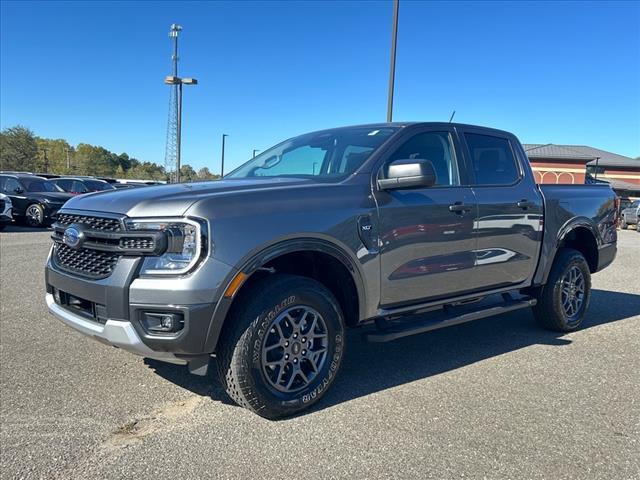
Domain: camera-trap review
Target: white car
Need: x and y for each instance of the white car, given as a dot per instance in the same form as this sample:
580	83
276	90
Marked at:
5	211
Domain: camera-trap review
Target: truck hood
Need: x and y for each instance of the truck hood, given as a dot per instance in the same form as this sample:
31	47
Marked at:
171	200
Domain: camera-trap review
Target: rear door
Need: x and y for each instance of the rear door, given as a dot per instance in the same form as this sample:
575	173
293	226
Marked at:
509	221
426	234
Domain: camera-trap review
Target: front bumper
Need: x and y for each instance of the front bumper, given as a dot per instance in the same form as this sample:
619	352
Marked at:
118	333
118	304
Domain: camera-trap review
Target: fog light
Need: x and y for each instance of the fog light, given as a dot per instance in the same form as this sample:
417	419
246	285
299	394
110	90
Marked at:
162	322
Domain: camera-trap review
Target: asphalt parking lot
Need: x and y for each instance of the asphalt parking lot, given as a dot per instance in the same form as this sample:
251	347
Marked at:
498	398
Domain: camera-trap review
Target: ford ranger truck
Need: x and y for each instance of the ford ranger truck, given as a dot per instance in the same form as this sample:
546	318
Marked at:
265	269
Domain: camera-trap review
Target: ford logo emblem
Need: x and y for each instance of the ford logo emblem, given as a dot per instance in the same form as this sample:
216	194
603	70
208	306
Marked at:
72	237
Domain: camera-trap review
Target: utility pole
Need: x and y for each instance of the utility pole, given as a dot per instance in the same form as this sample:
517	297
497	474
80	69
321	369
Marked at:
255	150
68	159
224	135
392	68
46	161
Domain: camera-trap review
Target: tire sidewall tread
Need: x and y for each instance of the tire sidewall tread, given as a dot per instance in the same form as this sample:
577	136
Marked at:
239	355
549	312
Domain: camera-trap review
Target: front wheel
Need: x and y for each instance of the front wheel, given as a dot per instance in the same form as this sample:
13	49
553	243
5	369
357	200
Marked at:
283	346
623	224
563	301
34	216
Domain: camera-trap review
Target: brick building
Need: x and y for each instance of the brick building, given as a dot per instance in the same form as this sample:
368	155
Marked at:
577	163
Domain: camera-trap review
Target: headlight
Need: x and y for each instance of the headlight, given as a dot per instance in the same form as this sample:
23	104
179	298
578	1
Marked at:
184	244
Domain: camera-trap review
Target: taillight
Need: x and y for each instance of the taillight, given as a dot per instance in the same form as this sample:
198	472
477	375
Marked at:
616	206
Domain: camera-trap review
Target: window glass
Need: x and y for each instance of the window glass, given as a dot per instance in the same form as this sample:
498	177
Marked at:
304	160
352	157
97	186
492	159
329	154
10	185
64	184
436	147
38	184
78	187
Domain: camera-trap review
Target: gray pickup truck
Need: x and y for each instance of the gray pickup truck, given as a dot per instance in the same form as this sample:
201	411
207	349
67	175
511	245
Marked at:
366	225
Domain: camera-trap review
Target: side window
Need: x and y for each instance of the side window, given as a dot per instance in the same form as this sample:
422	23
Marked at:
492	159
436	147
10	186
305	160
78	187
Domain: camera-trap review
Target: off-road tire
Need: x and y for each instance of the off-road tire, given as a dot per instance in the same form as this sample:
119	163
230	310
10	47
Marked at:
240	347
549	311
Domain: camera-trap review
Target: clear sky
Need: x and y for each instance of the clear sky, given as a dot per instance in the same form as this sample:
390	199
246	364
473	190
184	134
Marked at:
92	72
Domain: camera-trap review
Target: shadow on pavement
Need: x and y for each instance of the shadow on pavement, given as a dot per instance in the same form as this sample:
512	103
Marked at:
16	228
368	367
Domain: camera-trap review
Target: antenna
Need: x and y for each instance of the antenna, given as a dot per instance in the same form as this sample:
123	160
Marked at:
453	114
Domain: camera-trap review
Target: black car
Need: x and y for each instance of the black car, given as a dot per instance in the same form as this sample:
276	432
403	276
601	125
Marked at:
35	199
80	185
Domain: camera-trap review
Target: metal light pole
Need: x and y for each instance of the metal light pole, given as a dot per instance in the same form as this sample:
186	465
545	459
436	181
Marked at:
255	150
224	135
173	80
392	69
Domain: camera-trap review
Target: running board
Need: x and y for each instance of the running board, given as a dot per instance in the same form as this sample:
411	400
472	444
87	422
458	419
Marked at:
446	318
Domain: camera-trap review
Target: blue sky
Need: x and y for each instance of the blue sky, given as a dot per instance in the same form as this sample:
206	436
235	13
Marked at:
92	72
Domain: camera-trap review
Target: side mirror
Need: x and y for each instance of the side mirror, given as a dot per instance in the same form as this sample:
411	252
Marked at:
18	190
409	173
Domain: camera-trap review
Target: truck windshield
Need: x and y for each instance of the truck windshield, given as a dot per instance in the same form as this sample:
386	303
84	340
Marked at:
326	154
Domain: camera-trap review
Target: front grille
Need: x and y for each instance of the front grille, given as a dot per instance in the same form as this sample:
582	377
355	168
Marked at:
87	262
141	243
94	223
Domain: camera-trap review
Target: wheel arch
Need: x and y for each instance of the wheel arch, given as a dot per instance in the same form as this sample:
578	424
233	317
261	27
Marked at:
295	256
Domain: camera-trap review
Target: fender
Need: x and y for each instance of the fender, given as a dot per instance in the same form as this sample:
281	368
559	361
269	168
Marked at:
254	261
550	246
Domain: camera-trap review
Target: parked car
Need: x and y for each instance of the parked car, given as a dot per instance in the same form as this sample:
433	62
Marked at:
35	199
629	216
267	267
5	211
80	185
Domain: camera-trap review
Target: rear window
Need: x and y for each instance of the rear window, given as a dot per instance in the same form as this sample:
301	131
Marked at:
492	159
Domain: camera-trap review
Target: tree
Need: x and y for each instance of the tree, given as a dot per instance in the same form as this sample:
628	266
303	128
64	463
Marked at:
124	161
57	153
187	173
18	149
205	174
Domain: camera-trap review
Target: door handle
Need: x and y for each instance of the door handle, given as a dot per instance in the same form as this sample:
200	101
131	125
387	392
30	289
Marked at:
459	207
524	204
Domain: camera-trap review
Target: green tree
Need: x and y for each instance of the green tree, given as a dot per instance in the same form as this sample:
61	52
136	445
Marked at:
205	174
187	173
58	152
18	149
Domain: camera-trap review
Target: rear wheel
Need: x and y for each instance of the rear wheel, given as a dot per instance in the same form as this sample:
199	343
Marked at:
283	346
563	301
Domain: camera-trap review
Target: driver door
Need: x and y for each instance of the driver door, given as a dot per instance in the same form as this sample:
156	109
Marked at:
426	233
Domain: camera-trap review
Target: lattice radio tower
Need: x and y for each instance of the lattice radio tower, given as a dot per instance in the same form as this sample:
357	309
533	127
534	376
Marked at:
171	149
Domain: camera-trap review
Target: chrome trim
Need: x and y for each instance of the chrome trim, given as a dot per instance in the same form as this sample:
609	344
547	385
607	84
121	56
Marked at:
118	333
